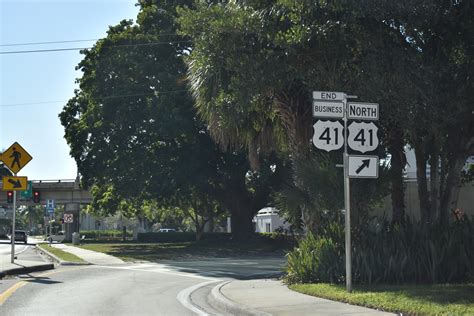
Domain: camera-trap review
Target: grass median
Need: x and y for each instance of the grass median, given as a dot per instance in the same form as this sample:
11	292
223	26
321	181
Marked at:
438	299
186	250
63	255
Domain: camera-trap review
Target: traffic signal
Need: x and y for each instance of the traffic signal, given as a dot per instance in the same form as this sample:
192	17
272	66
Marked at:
36	196
9	196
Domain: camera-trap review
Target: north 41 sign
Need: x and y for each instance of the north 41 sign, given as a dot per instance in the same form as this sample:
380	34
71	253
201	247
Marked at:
328	135
363	137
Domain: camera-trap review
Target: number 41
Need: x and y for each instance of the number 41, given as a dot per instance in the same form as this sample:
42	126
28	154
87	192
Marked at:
360	137
326	135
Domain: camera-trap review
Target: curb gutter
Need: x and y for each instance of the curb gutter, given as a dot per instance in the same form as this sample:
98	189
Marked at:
25	270
230	306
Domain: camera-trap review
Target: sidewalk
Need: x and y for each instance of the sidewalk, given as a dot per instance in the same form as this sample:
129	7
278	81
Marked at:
26	262
271	297
89	256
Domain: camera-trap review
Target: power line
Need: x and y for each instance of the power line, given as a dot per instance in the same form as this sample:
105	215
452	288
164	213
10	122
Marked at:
70	41
32	103
42	50
156	93
47	43
80	48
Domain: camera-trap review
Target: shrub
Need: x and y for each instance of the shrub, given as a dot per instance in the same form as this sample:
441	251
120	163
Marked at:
414	253
180	237
280	239
104	234
315	260
411	253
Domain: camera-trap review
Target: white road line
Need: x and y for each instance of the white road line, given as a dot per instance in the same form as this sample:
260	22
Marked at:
158	269
184	297
17	253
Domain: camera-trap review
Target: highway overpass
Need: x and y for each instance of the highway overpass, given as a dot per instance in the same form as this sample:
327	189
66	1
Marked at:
61	191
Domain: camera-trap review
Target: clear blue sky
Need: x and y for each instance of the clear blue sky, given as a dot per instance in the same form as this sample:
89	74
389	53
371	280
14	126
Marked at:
45	77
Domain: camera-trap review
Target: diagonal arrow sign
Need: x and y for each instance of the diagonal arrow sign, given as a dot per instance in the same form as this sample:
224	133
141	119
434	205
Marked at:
365	164
16	184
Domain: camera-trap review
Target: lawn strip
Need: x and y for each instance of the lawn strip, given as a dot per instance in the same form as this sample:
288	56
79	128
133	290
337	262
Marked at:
440	299
182	250
63	255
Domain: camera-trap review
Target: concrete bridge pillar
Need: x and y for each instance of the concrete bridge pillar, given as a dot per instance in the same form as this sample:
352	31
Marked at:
74	209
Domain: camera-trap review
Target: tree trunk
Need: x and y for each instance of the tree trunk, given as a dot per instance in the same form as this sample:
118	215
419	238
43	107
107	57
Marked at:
450	195
434	183
241	223
311	220
199	232
397	164
423	194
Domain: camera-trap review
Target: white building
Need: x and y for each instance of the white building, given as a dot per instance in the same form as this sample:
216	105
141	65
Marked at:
268	220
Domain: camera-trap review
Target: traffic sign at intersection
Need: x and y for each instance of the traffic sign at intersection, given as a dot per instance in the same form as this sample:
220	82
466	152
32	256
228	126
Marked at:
363	166
363	111
68	218
329	95
330	109
14	183
15	157
328	135
363	136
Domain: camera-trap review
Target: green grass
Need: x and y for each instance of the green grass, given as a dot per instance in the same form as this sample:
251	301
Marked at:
440	299
183	250
63	255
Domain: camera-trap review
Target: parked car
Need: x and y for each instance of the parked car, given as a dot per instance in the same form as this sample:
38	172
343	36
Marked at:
20	235
167	230
58	237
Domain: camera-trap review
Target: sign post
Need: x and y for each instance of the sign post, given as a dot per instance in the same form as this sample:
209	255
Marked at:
13	228
347	204
361	137
15	158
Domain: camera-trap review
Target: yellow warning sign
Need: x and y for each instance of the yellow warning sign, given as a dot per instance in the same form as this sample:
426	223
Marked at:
15	157
14	183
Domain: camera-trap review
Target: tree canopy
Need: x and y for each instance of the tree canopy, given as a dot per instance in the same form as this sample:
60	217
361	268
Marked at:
135	135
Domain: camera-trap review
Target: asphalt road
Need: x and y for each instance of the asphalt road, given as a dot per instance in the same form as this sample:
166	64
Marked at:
94	290
129	289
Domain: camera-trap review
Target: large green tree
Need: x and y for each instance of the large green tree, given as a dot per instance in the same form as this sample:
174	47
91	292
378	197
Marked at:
440	128
254	64
135	136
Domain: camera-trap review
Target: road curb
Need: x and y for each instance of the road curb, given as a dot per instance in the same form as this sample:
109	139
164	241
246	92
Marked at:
60	261
229	306
184	297
25	270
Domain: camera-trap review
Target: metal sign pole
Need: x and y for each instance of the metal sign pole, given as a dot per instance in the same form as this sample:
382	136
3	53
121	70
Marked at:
13	227
50	230
347	203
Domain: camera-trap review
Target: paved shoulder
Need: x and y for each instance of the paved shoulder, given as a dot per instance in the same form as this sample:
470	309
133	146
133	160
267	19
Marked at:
89	255
273	297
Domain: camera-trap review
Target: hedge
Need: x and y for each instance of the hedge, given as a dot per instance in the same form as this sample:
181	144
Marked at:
180	237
